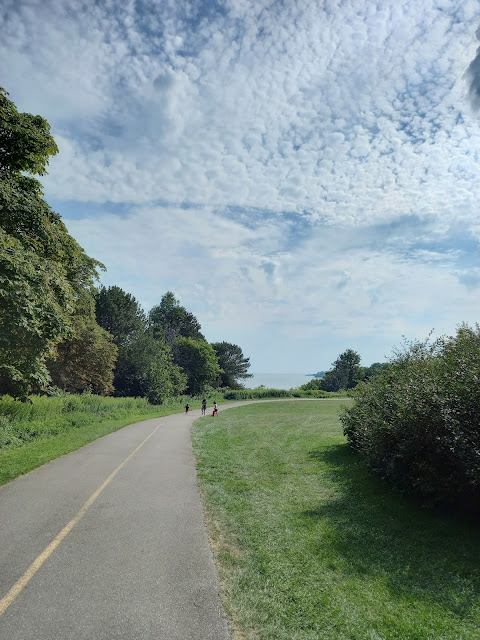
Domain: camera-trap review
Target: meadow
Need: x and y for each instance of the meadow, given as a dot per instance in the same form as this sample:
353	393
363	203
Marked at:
311	546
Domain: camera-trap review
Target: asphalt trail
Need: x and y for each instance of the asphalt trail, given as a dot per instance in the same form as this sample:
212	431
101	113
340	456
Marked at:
135	563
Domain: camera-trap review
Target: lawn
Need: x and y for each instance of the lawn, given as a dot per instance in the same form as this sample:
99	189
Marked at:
310	546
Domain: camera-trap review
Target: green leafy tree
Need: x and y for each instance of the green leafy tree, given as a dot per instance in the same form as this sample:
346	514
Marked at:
171	320
120	314
199	362
165	379
374	369
42	268
25	140
145	368
233	364
87	359
346	372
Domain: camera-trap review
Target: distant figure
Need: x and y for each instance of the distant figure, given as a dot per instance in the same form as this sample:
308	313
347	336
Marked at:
187	407
215	409
204	406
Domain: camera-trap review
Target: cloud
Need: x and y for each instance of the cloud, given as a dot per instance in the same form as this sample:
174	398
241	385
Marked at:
473	72
308	169
327	286
346	114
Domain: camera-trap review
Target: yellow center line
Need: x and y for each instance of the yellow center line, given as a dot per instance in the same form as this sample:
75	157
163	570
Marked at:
7	600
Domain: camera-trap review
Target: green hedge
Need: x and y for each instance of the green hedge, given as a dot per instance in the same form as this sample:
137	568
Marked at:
418	423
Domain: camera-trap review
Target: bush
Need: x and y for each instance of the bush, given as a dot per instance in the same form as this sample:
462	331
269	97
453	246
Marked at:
417	423
312	385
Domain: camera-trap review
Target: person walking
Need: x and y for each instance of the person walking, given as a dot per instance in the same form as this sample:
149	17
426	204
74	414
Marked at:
187	407
215	409
204	406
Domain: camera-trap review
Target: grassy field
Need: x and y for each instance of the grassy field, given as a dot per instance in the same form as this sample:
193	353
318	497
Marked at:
310	546
33	434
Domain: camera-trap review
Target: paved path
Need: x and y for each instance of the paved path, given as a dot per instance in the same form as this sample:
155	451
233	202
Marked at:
134	564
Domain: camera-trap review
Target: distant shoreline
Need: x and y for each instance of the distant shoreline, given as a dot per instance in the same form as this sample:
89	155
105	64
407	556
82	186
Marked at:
277	380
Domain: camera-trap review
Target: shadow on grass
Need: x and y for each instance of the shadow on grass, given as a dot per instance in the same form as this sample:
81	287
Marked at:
417	553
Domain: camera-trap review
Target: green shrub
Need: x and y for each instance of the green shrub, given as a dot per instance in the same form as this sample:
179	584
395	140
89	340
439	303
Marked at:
418	422
313	385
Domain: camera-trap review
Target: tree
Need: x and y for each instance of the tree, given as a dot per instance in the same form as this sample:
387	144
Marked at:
42	268
346	372
233	364
120	314
165	379
374	369
25	139
145	368
199	362
87	359
171	320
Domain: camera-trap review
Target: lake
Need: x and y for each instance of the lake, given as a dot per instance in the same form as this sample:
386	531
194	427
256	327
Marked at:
277	380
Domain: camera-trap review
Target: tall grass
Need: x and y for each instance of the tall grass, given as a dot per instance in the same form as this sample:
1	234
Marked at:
44	417
254	394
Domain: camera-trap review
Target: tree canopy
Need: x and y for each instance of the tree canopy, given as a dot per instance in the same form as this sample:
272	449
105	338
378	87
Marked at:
87	359
199	362
55	325
120	314
233	364
42	268
171	320
145	368
25	140
165	354
346	372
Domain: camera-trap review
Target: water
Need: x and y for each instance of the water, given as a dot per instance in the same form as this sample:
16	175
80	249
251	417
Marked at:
277	380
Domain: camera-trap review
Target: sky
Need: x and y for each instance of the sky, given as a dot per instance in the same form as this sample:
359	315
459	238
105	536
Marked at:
303	175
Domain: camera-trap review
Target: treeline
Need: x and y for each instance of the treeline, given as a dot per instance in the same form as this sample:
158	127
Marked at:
58	330
345	373
164	353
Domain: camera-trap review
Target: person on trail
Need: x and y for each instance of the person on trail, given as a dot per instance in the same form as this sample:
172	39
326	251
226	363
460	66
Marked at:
187	407
204	406
215	409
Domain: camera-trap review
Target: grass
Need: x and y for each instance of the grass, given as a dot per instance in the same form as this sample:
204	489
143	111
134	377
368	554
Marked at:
33	434
310	546
262	392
